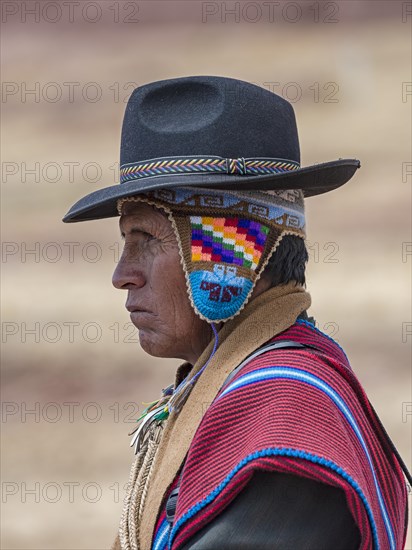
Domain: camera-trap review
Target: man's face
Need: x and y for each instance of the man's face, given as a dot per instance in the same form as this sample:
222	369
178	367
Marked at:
157	299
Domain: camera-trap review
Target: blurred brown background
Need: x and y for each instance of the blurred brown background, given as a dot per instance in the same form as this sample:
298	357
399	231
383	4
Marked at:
73	375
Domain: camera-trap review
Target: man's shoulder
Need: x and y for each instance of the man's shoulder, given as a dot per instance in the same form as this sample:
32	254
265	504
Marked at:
301	350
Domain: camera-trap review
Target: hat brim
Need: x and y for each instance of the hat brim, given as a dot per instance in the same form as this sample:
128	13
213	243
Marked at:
313	180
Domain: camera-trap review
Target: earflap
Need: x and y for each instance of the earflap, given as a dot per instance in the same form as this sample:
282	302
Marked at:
221	260
225	241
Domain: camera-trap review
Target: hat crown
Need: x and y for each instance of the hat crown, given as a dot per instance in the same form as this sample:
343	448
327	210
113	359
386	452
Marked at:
207	116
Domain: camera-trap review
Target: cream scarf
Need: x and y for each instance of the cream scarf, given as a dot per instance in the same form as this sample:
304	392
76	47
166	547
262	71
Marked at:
164	451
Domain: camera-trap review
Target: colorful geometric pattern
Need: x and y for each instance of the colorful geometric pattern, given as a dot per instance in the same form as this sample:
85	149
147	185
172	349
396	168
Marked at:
231	240
282	208
218	165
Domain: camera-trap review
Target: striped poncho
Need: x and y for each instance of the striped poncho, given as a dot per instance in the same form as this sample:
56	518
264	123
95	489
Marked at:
299	411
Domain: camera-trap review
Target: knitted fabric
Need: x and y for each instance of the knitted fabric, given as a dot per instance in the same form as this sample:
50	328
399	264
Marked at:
226	239
293	411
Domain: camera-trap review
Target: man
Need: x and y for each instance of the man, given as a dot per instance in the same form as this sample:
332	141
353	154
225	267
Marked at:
266	439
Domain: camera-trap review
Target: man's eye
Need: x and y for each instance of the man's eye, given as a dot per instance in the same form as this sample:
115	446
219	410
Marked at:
137	233
147	236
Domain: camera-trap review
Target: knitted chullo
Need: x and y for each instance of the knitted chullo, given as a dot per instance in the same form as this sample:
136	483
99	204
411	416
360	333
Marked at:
226	239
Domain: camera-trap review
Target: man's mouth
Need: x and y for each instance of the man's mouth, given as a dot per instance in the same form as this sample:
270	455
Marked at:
138	315
135	309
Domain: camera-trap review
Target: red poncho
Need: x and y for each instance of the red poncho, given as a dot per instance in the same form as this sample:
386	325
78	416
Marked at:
295	411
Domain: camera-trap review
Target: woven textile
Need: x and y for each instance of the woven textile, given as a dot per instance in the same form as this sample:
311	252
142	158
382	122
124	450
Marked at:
217	165
226	240
300	412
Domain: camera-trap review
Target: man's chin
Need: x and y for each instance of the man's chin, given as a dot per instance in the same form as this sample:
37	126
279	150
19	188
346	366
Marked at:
149	344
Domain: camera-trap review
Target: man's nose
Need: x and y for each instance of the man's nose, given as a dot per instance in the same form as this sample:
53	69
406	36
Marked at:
127	275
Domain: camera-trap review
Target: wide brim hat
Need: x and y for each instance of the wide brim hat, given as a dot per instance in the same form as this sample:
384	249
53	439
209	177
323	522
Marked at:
212	132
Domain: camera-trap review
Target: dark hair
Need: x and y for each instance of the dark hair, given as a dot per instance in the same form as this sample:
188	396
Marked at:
288	262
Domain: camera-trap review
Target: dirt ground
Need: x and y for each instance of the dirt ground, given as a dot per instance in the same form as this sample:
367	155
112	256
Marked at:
73	374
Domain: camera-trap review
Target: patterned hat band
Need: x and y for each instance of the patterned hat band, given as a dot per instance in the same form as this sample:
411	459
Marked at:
211	165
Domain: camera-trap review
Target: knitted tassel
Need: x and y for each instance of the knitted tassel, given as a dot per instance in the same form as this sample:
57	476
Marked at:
177	401
156	411
162	415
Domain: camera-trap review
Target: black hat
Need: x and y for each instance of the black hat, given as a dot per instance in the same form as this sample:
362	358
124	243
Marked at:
209	131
